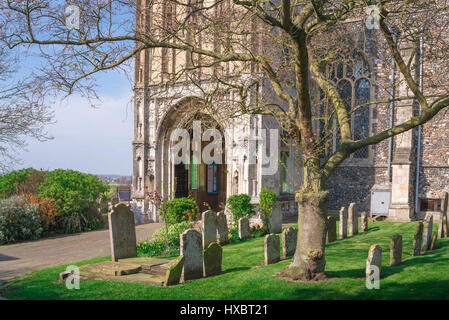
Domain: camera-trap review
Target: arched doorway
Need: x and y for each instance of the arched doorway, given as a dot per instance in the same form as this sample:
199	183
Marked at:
204	182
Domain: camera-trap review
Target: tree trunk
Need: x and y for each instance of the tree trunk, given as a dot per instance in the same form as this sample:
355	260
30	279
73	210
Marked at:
309	259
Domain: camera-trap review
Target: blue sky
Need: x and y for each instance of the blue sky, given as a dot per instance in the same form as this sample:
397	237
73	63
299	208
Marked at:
96	141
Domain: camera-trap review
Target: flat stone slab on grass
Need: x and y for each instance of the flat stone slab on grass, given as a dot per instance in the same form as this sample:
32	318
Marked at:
149	271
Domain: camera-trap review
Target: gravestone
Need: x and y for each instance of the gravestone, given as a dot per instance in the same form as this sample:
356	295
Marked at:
417	240
374	259
122	232
222	229
353	222
428	229
213	259
289	240
331	229
396	250
442	231
209	225
343	225
433	242
192	250
174	272
364	221
272	249
276	219
244	229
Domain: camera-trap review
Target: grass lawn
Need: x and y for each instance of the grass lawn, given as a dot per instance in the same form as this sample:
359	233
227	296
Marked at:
423	277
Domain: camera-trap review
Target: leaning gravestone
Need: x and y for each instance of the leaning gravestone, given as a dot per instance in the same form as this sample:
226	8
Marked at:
272	249
122	232
244	229
213	256
331	229
374	259
433	243
343	223
353	221
209	223
417	240
289	240
441	221
222	229
173	274
396	250
428	229
192	250
364	221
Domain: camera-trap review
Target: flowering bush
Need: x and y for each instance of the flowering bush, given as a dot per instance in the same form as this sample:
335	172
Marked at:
46	210
174	231
19	221
155	248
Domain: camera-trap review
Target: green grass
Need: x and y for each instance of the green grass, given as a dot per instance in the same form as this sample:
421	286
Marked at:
423	277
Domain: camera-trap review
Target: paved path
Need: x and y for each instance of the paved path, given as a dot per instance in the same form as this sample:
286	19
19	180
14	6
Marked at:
21	258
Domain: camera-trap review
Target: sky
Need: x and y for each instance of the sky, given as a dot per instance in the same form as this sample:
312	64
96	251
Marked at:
91	140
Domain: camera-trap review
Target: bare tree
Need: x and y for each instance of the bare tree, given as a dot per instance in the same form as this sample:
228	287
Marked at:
23	111
239	46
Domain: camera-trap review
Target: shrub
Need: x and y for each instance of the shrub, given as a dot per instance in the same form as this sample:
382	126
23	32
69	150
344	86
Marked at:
233	235
240	206
267	199
19	221
75	196
174	231
46	209
259	231
179	210
9	182
155	248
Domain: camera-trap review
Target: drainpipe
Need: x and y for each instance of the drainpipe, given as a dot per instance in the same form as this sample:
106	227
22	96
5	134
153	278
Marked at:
393	95
418	153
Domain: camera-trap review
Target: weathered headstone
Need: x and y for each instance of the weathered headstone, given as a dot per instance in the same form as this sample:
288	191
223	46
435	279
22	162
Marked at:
209	226
364	221
174	272
222	228
213	259
192	250
122	232
353	222
428	229
396	250
272	249
331	229
442	231
276	219
244	229
289	240
374	259
433	242
417	240
343	225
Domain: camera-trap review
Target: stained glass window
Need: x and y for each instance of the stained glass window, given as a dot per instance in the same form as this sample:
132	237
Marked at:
212	178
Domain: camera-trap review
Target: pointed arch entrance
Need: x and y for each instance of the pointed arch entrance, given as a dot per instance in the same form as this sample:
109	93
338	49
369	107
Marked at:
205	183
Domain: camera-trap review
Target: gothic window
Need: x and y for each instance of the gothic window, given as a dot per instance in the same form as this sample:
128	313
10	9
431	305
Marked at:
286	173
353	81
